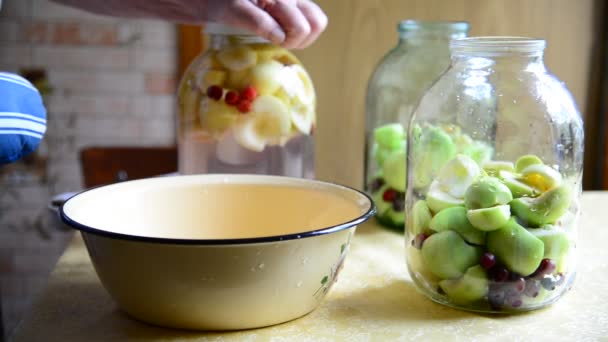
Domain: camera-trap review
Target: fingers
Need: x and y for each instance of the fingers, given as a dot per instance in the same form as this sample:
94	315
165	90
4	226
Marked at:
316	19
292	20
248	16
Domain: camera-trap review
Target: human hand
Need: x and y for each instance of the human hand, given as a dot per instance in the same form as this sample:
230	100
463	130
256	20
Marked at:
293	24
290	23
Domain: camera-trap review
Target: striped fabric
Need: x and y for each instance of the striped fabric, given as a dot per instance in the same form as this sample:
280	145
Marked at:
22	117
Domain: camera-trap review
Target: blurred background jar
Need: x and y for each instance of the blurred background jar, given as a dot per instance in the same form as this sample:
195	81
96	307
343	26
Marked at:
398	82
246	106
494	180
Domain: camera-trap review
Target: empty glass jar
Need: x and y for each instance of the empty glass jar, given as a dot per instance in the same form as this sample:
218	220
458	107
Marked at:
246	106
494	180
398	82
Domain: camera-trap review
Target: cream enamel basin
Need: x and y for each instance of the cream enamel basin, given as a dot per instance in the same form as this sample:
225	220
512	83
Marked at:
217	252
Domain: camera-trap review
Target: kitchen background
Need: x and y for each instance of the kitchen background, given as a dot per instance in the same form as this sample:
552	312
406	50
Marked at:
111	82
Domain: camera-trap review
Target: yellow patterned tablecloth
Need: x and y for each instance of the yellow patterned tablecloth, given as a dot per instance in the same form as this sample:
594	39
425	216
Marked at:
373	300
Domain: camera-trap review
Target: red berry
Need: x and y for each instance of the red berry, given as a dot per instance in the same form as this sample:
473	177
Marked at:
389	195
547	266
249	93
487	261
215	92
244	106
231	98
500	274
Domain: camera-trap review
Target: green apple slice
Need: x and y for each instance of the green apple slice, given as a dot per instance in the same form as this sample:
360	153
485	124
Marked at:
488	219
516	247
547	208
237	58
541	177
493	167
455	218
487	192
420	217
525	161
471	287
448	256
557	244
519	189
394	170
437	200
389	136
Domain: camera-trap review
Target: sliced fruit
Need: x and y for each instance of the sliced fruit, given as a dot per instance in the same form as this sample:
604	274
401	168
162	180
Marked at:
525	161
231	152
557	244
213	77
267	52
305	94
431	151
488	219
381	205
238	79
265	77
471	287
394	170
269	120
420	217
389	136
479	151
218	122
519	189
545	209
516	248
493	167
455	218
302	118
448	256
457	175
438	200
237	58
541	177
487	192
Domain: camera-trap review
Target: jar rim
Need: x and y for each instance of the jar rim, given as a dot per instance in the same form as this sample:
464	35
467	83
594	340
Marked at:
413	25
497	45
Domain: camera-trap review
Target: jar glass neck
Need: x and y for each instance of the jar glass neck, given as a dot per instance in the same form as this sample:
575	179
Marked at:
220	40
414	32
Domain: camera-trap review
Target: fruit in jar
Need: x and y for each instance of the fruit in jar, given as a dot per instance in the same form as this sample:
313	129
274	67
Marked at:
265	77
541	177
447	255
518	188
420	217
269	119
471	287
237	58
394	170
525	161
457	175
544	209
438	200
489	219
556	242
213	77
487	192
494	167
455	218
432	150
389	136
516	248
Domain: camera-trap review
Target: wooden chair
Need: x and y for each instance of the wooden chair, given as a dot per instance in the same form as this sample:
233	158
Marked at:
105	165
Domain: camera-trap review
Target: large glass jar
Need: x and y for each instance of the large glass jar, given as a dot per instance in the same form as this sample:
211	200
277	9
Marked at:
494	180
421	55
246	106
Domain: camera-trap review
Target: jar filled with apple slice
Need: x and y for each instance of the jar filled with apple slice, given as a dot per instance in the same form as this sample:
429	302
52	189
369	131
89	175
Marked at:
246	106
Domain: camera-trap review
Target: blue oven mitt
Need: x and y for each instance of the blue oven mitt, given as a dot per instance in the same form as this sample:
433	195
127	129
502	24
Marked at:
22	117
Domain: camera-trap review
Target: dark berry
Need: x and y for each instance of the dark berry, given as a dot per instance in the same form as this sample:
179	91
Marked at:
244	106
516	302
496	299
519	285
215	92
547	266
548	283
532	288
389	195
487	261
398	205
419	240
249	93
376	184
500	274
231	98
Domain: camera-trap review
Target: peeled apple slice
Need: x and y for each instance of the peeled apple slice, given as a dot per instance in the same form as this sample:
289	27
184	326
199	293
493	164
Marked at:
457	175
541	177
296	83
394	170
489	219
389	136
265	77
268	121
307	94
437	200
237	58
302	117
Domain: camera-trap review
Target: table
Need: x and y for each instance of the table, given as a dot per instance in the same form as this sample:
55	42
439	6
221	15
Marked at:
373	300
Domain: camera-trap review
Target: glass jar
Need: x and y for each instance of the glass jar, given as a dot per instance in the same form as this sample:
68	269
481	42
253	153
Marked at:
494	180
246	106
421	55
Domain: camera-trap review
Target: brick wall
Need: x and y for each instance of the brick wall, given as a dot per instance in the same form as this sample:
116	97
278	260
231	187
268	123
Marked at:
112	83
